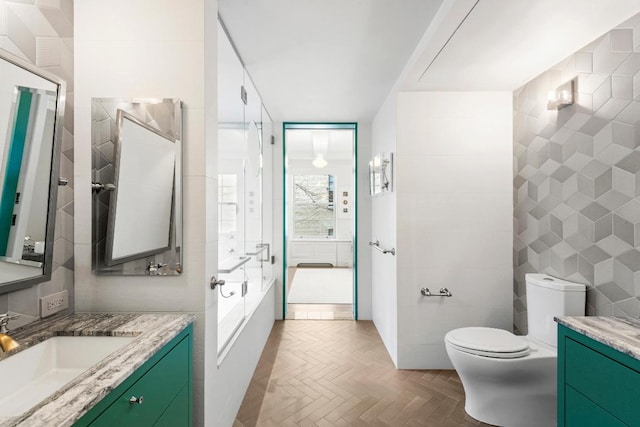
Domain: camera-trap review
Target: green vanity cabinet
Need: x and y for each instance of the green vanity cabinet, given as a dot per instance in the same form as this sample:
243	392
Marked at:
163	384
597	385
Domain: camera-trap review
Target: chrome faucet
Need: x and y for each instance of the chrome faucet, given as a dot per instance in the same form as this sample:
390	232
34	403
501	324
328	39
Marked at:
6	342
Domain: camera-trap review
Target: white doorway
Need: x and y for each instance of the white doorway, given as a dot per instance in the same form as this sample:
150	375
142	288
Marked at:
320	268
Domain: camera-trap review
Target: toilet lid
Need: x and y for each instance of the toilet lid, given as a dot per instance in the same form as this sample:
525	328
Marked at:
489	342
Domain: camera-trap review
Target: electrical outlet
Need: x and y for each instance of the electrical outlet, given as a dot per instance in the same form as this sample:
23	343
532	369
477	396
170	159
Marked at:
54	303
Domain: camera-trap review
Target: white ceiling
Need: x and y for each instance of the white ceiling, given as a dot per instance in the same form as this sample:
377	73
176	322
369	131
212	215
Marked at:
325	60
502	44
336	60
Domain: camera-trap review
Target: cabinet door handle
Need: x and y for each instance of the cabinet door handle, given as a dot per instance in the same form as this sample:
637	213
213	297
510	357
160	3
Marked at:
137	400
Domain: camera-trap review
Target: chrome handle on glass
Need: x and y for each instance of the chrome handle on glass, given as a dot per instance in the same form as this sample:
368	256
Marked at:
444	292
216	282
134	400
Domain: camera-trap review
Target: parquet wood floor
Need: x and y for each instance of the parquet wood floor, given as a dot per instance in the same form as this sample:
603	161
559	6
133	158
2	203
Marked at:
338	373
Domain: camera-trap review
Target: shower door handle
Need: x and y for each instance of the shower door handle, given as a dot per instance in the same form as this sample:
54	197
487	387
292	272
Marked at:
216	282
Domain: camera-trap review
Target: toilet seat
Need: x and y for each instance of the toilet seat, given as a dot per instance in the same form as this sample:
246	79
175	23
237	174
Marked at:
488	342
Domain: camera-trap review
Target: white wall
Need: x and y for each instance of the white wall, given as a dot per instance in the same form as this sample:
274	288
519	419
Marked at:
157	49
121	50
449	219
384	284
454	206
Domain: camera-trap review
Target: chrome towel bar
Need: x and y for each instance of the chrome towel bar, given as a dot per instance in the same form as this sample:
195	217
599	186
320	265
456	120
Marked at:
444	292
376	246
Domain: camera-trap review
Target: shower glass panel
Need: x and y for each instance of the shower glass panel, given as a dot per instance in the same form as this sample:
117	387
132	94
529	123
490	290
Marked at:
267	199
253	193
231	182
244	250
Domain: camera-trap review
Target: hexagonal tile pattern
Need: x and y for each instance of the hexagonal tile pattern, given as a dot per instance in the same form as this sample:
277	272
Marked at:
577	177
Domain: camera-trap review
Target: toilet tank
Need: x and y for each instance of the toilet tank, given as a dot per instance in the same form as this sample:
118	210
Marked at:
548	297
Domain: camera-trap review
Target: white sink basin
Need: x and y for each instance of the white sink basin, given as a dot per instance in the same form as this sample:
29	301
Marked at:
36	373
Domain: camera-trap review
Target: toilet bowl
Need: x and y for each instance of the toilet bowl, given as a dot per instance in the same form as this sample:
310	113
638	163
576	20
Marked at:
510	380
513	386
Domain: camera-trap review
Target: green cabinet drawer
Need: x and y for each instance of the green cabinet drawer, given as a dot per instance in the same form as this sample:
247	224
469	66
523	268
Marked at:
178	413
159	388
582	412
605	382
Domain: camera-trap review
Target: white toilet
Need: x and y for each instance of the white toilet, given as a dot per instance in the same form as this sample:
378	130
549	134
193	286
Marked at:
510	380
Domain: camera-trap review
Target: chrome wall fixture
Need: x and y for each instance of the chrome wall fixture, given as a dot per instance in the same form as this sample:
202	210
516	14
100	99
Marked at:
381	174
444	292
376	246
214	282
219	283
97	187
562	96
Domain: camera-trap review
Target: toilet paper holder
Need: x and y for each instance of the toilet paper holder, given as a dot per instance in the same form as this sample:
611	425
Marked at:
444	292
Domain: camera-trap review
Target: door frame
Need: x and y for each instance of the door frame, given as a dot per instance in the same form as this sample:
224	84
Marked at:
319	125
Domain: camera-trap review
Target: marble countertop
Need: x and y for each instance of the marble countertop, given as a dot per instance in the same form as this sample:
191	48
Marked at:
618	333
67	405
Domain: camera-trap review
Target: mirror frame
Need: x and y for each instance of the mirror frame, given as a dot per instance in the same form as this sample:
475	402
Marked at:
110	261
54	176
172	258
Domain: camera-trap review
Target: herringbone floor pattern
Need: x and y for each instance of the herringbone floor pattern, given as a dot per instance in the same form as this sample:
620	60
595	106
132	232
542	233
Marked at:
338	373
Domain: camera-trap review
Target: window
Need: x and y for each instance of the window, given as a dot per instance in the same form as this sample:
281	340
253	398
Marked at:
313	208
227	203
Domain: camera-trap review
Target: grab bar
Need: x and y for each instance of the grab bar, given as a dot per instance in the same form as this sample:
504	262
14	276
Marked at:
259	250
444	292
230	265
376	246
261	247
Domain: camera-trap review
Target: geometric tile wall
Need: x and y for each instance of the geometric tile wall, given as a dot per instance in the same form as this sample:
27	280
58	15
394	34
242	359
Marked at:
577	177
41	32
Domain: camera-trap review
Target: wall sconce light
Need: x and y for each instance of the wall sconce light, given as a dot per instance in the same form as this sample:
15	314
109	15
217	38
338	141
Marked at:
562	96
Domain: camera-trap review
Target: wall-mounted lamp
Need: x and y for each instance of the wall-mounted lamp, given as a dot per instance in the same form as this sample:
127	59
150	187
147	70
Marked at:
562	96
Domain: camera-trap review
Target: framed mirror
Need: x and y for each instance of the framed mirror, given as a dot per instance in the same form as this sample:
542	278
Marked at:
31	113
137	191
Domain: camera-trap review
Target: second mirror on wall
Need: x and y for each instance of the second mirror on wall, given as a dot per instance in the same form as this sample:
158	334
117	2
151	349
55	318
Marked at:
136	185
31	116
